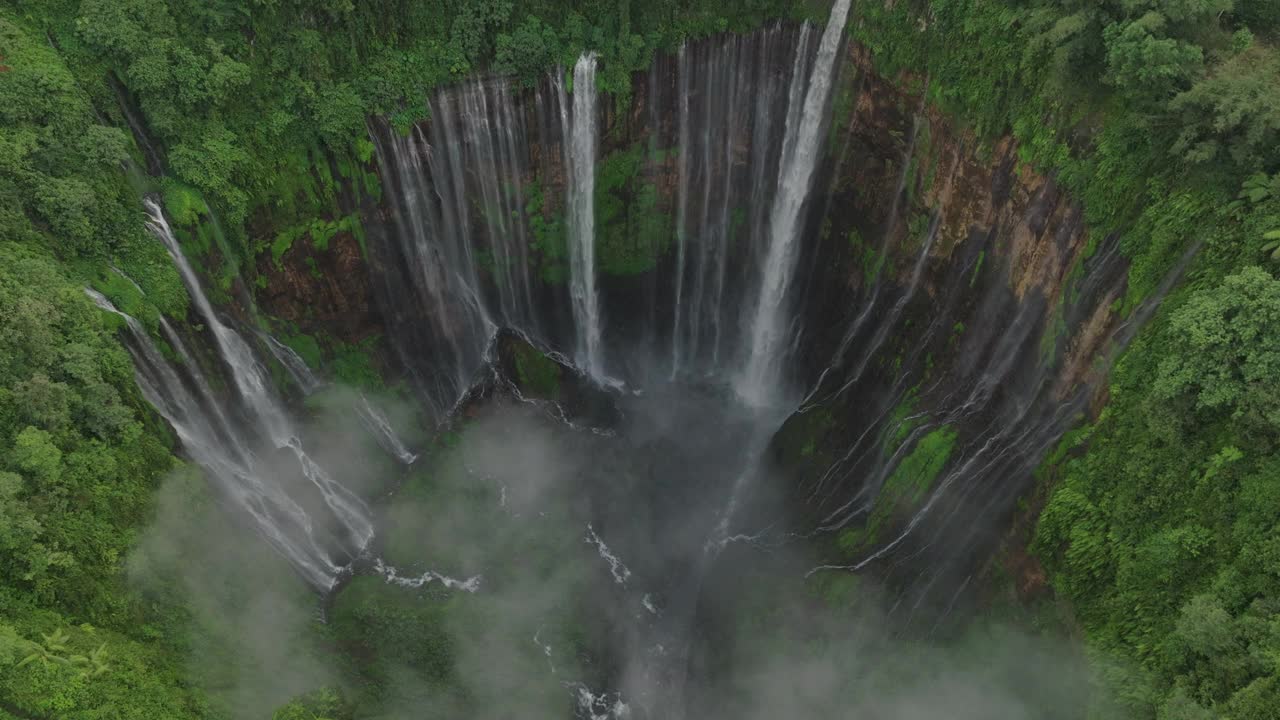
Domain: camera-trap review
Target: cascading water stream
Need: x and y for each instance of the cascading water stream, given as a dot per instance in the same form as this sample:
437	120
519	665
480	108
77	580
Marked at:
463	256
383	432
730	91
580	149
302	375
432	245
759	381
216	444
682	209
374	420
476	246
269	418
871	300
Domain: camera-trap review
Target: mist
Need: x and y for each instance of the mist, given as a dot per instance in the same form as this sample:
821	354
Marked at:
526	566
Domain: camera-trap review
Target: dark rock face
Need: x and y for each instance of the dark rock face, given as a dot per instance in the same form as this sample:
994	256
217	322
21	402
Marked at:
533	375
321	291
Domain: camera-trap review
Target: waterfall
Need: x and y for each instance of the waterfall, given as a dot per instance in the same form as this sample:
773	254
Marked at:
682	208
493	213
461	257
378	424
470	244
759	380
730	91
374	420
218	445
475	159
580	150
297	368
430	284
242	471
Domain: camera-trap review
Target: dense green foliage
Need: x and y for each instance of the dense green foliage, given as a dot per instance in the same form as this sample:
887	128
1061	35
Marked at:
80	452
1162	116
79	463
631	231
1164	534
538	374
323	704
61	185
78	458
238	90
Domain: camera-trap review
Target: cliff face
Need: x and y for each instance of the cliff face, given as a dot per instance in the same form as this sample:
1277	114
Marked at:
960	318
902	172
321	291
952	316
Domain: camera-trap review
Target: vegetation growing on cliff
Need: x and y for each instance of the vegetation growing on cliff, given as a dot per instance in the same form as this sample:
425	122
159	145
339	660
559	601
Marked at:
1163	534
903	489
1162	116
631	232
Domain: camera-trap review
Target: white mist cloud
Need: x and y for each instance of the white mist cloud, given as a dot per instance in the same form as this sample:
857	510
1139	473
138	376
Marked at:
510	501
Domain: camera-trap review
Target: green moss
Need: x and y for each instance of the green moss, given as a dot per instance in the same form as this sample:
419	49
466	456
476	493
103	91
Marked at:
549	237
977	267
631	231
393	627
872	259
537	373
354	364
1057	328
283	241
903	489
835	589
306	347
901	422
918	227
800	437
1072	439
183	203
127	297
